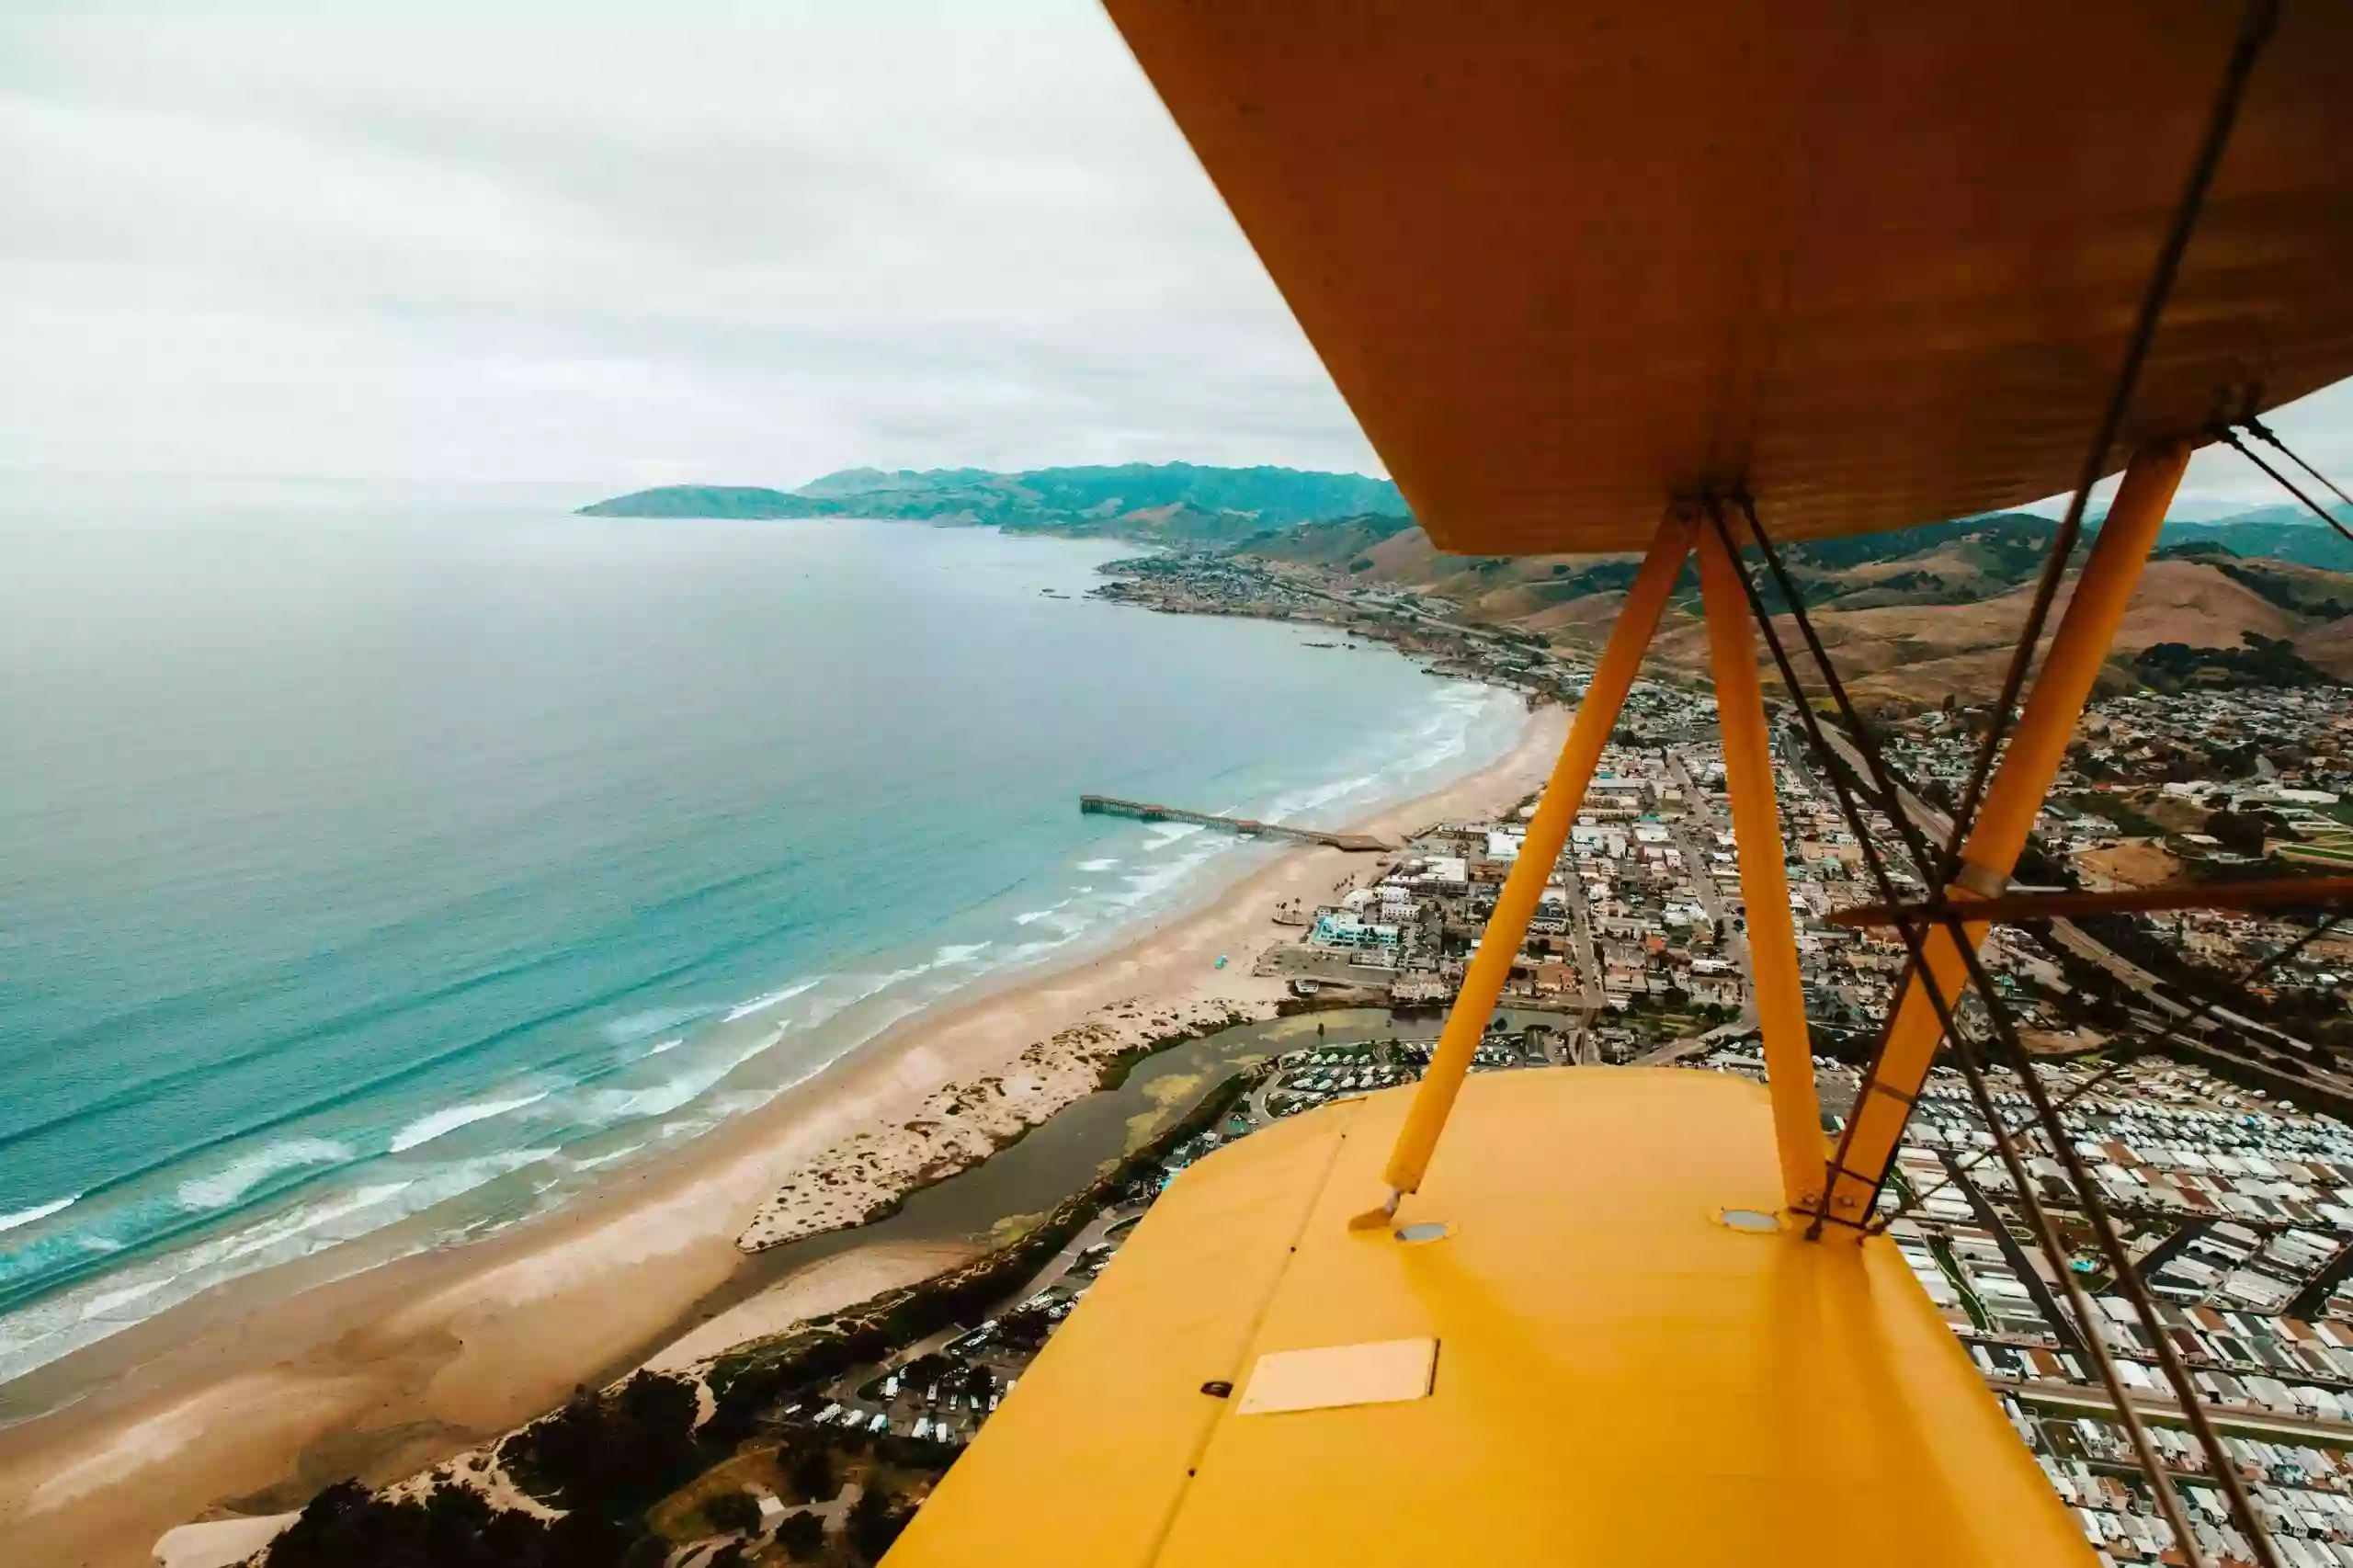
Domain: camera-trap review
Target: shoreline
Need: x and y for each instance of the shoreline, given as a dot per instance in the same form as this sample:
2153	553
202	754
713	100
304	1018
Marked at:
252	1396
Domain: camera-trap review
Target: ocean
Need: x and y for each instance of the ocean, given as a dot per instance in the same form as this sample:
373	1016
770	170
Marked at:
376	858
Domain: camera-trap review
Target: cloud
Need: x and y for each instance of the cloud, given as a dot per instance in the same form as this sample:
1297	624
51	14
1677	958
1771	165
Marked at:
741	242
614	243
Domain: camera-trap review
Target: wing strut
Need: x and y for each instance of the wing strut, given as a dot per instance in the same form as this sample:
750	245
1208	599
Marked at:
1999	833
1944	1001
1548	833
1764	883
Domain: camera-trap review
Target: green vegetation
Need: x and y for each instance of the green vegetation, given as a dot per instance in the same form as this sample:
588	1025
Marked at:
345	1527
604	1455
732	1513
2241	833
617	1450
708	501
2128	820
2282	533
1167	503
2263	661
1341	543
2299	592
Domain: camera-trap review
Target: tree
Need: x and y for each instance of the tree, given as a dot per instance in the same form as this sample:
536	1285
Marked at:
647	1551
346	1527
586	1539
803	1536
736	1511
2241	833
813	1476
875	1522
633	1443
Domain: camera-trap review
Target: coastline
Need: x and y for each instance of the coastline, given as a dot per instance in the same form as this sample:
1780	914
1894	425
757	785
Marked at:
248	1398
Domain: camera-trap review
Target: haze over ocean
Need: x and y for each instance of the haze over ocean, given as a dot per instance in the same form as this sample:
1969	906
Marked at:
374	856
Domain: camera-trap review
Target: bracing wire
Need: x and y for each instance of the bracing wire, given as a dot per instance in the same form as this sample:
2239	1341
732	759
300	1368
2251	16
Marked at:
2172	1031
2229	438
2254	29
2160	1481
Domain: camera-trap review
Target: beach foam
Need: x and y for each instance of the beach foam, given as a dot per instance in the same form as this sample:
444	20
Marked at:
98	1307
612	1107
637	1026
774	998
38	1211
426	1128
224	1187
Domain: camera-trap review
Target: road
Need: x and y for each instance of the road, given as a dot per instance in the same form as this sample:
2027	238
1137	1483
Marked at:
1703	880
1588	953
846	1386
1695	852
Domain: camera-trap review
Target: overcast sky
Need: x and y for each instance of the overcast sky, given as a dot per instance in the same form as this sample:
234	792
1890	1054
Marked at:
632	243
490	239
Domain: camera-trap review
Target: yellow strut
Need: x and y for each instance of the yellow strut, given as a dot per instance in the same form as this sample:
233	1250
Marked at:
1547	831
2037	748
1764	884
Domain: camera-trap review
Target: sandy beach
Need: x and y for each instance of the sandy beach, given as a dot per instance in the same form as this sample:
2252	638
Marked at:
246	1400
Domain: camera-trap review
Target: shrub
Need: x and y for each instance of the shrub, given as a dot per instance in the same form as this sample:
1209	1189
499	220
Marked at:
803	1536
346	1527
875	1521
736	1511
633	1443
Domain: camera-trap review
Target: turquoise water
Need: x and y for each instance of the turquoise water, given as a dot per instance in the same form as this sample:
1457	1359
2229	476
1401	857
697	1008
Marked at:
363	859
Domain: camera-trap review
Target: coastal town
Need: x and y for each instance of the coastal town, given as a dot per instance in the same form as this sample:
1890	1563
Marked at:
2222	1134
2201	1056
2235	1180
1423	625
1178	784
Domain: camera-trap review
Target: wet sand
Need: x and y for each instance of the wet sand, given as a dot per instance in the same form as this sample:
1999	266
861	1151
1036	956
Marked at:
250	1397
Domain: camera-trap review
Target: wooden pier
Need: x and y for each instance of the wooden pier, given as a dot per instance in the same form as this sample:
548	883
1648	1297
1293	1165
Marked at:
1145	811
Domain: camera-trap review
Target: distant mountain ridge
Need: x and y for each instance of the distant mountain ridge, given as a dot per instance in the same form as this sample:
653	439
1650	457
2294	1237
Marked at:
1179	503
1912	613
1915	612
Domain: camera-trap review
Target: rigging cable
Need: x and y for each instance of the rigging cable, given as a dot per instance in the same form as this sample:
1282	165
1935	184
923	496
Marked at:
2124	1275
2160	1481
2172	1031
2231	438
2270	437
2255	31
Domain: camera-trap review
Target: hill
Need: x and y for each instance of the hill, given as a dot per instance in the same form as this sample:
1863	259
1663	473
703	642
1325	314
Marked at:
1911	614
706	501
2283	533
1178	504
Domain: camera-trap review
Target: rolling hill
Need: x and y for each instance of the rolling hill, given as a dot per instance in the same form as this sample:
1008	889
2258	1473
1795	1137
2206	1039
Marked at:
1911	615
1178	504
